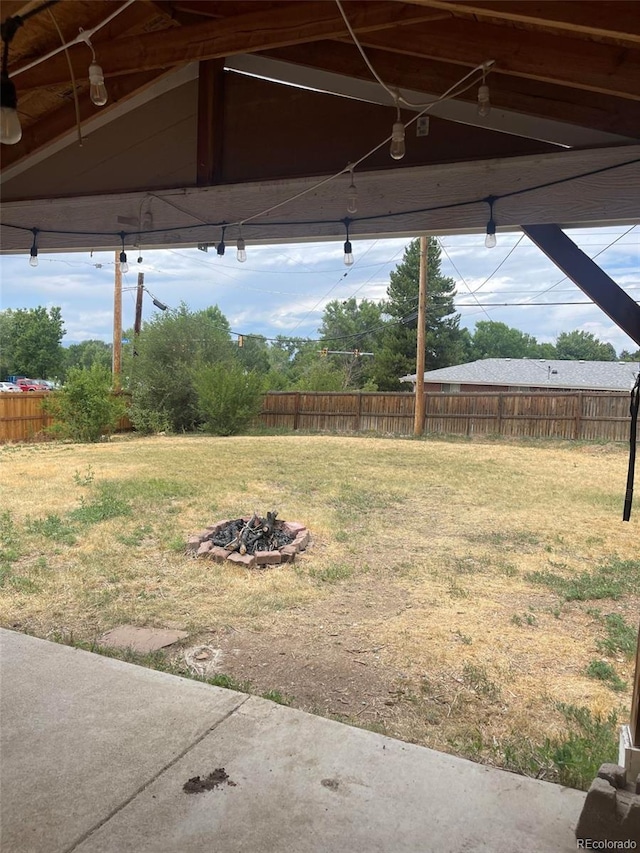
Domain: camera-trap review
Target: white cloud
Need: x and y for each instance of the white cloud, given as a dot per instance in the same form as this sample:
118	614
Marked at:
283	289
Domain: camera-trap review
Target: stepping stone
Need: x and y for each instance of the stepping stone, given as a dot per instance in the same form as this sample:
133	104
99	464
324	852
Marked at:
140	639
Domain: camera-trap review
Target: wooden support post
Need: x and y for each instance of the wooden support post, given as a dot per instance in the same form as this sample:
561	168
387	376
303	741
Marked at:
209	133
635	701
418	423
500	411
296	413
117	325
359	420
577	427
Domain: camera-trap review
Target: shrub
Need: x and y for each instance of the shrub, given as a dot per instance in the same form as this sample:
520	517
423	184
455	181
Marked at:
229	397
145	419
85	409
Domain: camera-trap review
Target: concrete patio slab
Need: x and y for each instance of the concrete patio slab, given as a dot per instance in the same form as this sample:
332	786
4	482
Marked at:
81	733
96	754
310	785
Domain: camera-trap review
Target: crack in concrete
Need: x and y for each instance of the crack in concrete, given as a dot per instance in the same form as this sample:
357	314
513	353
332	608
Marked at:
157	775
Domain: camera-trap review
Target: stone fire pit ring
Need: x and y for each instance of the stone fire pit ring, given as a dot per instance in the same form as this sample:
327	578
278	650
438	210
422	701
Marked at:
201	546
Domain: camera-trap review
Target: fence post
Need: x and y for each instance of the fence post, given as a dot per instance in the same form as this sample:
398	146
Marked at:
500	411
359	415
577	429
296	411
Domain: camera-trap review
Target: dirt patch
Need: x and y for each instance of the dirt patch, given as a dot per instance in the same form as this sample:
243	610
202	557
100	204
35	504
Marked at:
217	777
321	657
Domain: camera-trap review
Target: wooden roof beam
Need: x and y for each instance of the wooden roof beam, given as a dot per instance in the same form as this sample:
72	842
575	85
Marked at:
560	60
261	30
615	20
543	100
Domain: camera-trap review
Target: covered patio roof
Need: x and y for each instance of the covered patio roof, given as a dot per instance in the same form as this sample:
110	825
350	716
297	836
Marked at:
220	111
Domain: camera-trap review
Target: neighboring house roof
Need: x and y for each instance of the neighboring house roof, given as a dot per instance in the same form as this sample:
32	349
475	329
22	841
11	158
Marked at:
538	372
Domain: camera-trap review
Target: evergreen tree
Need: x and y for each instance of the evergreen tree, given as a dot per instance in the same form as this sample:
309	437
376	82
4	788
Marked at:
444	340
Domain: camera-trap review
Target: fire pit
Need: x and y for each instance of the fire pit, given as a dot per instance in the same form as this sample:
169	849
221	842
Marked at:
252	541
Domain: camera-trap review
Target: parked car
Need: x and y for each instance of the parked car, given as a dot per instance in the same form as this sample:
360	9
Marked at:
9	387
30	385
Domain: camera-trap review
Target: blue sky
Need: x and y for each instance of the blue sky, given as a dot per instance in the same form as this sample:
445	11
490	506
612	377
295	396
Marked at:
282	289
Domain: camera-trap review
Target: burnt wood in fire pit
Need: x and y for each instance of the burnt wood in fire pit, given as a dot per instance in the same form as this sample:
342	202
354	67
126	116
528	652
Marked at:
256	541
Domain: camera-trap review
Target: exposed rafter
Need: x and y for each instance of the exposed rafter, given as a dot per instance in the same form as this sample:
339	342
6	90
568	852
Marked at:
614	21
543	100
569	62
259	30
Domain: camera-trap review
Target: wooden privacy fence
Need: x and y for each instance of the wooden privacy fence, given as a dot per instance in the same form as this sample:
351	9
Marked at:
578	415
22	416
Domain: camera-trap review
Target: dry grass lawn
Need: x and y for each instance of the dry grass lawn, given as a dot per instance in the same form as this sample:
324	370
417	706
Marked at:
438	601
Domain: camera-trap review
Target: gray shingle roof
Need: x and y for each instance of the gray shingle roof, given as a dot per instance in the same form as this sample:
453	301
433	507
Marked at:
533	372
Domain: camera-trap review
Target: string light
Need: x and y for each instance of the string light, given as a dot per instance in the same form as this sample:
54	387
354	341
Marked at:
140	258
397	148
484	102
33	260
221	247
10	128
97	89
490	238
241	247
389	214
348	249
124	266
352	194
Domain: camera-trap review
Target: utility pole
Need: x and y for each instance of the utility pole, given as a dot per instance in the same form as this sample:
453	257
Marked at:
418	424
117	325
138	320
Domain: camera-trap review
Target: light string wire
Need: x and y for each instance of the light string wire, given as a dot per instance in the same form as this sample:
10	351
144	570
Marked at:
81	37
76	102
395	92
402	321
355	219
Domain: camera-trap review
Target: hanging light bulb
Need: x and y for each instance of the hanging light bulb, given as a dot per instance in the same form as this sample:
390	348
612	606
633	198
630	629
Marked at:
220	248
140	258
348	253
484	103
33	259
490	238
124	266
352	195
348	249
97	89
10	128
241	250
397	149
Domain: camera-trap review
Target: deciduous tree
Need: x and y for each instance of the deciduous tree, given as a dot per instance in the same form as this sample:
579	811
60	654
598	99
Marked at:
583	345
31	342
